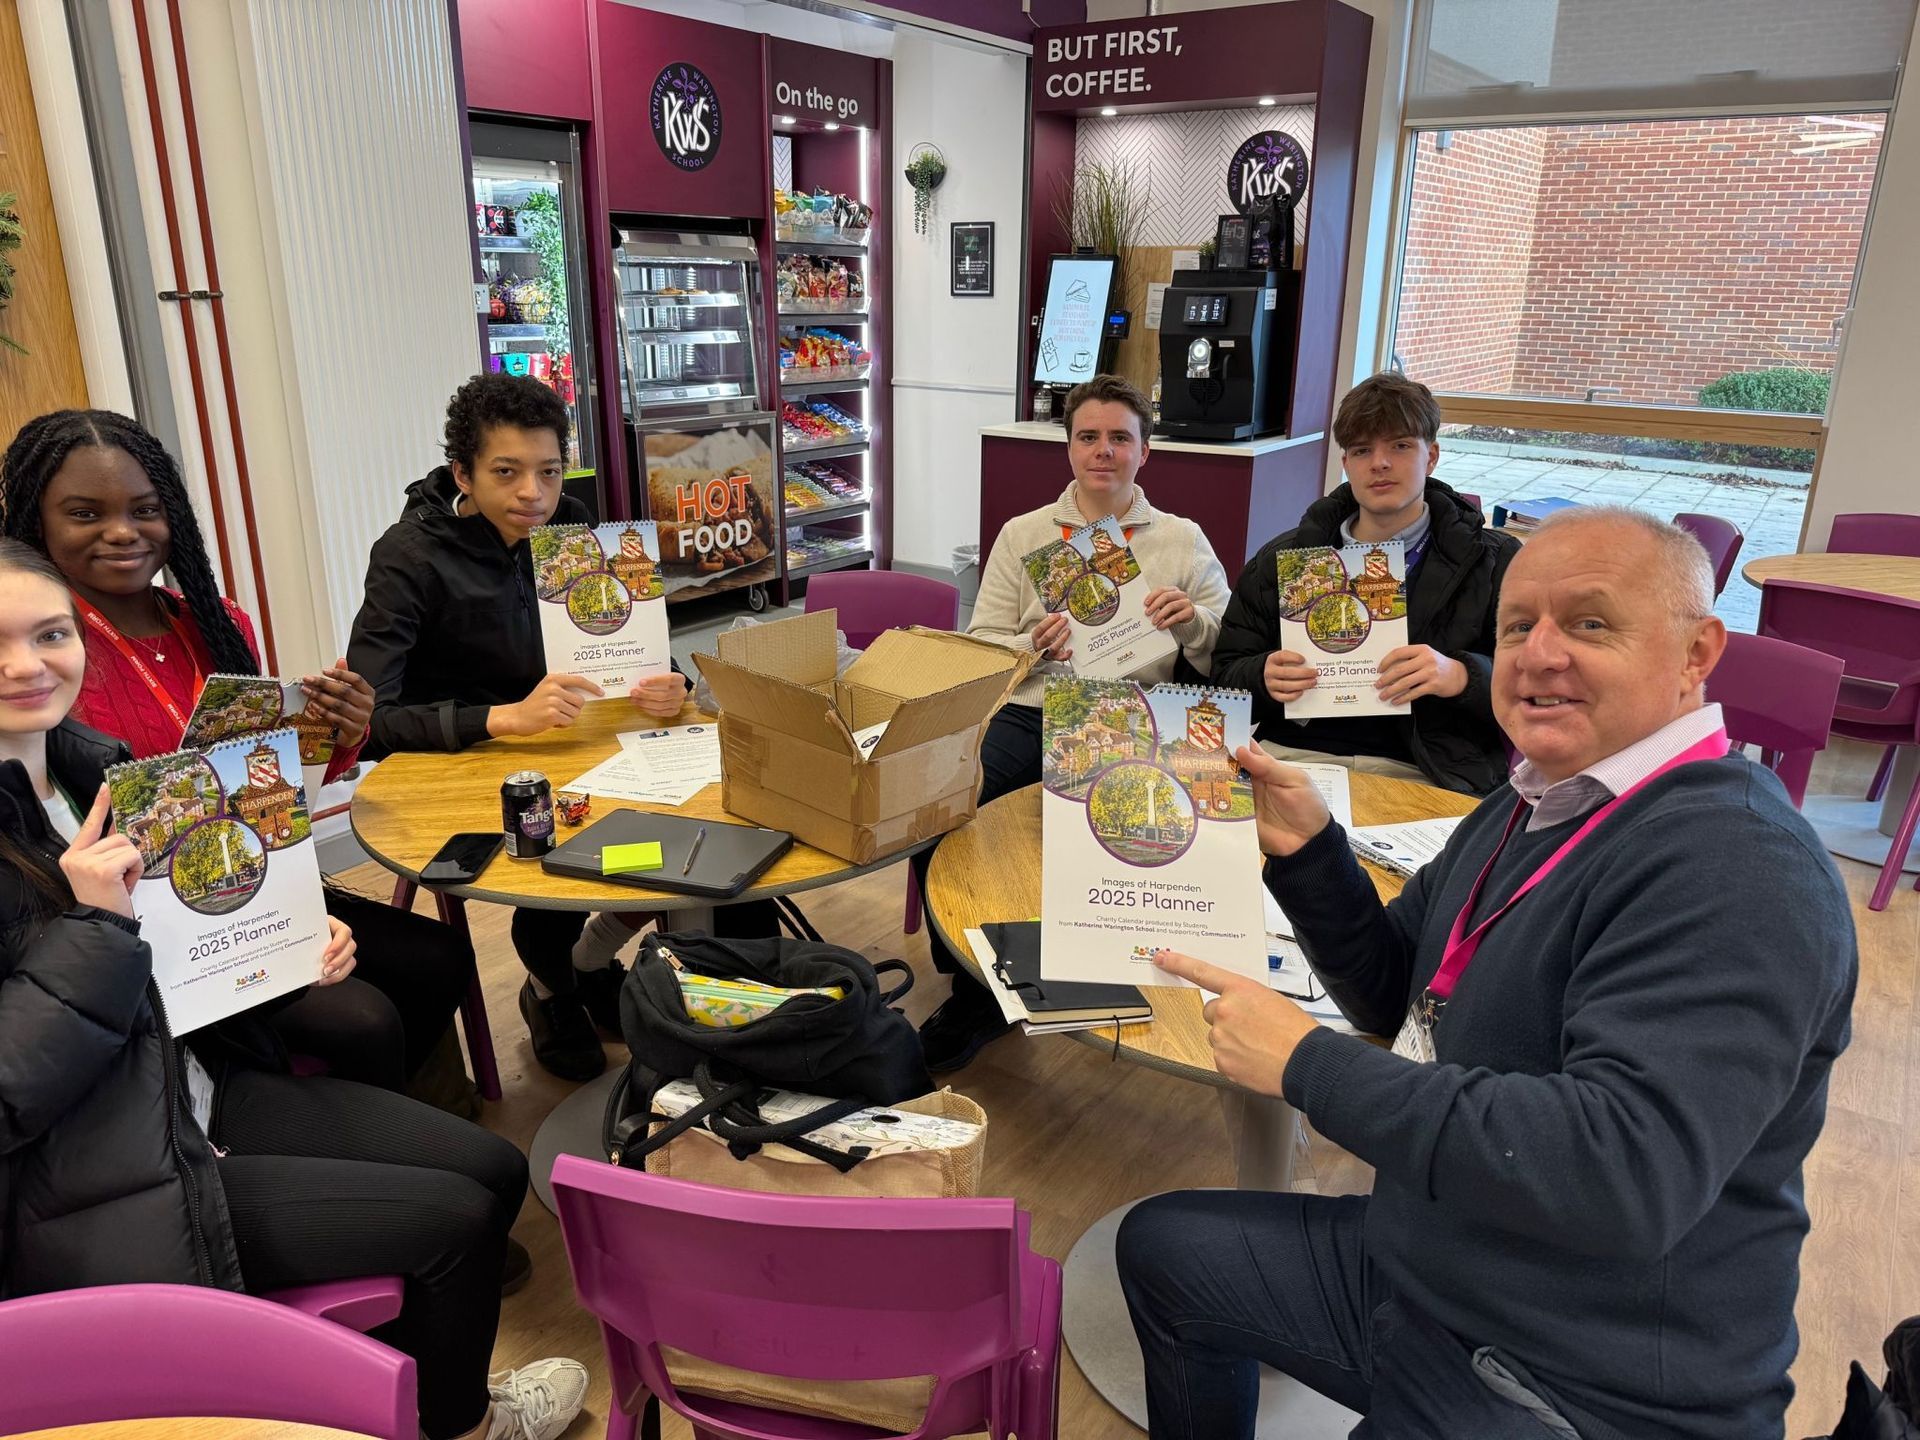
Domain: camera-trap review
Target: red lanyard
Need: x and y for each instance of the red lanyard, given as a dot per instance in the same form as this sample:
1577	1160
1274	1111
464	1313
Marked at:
104	628
1461	946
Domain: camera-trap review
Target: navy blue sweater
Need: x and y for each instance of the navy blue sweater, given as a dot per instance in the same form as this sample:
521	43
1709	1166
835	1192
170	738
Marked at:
1601	1177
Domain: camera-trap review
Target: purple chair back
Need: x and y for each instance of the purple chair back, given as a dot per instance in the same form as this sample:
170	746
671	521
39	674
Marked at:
1780	697
1866	534
149	1352
1473	500
870	601
1877	639
1722	540
811	1287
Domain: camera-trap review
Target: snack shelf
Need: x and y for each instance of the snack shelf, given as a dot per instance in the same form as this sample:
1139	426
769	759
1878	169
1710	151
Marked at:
822	387
684	300
796	515
832	317
826	452
820	247
832	562
689	337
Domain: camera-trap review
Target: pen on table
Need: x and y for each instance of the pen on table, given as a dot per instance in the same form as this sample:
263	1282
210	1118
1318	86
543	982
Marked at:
693	850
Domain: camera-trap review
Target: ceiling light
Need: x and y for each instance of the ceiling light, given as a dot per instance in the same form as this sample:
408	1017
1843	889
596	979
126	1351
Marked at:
1108	110
786	119
831	125
1268	100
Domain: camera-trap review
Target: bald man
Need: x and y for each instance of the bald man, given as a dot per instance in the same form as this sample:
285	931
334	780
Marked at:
1615	999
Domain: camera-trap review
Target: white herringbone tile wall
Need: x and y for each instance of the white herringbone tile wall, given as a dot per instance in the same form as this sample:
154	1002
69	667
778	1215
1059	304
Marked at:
783	162
1183	157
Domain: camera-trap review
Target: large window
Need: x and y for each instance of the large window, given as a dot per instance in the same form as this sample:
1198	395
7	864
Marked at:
1672	262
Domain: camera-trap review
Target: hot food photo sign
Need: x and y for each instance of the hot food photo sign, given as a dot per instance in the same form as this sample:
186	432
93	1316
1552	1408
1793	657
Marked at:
1271	165
685	114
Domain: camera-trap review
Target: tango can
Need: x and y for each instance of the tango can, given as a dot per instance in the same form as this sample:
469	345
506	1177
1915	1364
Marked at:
526	813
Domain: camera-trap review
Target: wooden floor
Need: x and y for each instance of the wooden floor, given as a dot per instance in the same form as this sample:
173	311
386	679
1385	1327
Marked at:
1073	1135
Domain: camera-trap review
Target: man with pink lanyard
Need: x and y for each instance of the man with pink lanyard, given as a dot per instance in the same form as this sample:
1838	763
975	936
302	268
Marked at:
1615	998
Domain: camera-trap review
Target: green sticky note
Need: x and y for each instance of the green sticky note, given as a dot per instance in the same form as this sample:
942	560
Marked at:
623	859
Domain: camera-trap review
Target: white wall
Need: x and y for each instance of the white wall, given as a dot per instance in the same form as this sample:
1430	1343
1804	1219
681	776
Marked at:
1869	460
954	359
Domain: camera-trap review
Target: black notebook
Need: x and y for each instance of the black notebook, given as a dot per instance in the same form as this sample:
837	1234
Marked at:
1016	959
724	861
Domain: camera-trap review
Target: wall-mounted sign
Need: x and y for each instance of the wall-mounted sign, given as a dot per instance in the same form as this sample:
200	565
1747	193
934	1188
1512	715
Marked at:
1199	59
684	111
1271	165
972	258
810	82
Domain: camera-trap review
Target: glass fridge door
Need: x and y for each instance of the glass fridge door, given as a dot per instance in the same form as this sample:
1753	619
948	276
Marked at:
688	326
526	207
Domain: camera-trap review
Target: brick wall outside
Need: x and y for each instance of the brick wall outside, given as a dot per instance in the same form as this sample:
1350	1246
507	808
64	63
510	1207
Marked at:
1650	257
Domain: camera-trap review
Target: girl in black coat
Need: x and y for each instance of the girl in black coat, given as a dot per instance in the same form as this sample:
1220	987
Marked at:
110	1173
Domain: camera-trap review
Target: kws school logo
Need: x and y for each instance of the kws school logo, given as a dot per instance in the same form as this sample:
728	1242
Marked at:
1269	165
685	114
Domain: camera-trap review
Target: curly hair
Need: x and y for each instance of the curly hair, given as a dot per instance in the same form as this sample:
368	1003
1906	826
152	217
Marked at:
489	400
42	447
1115	389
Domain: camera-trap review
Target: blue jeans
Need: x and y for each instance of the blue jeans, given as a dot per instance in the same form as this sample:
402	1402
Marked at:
1220	1282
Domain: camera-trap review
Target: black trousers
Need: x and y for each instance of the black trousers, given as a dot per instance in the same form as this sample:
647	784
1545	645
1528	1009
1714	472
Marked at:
544	939
379	1024
1009	761
329	1180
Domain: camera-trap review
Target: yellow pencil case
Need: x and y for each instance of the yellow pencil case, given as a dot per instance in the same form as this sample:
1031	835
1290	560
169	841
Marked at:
725	1004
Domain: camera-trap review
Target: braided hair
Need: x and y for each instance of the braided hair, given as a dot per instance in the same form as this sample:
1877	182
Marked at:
42	447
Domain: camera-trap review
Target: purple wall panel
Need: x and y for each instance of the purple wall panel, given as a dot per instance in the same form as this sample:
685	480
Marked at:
995	17
527	57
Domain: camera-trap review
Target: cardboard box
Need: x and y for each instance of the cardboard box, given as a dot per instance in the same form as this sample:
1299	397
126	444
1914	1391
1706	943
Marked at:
787	751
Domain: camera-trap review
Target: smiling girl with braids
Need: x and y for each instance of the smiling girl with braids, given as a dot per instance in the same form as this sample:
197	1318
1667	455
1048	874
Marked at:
101	497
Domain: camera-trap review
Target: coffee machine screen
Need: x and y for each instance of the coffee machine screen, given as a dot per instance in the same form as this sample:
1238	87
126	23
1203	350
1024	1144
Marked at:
1205	310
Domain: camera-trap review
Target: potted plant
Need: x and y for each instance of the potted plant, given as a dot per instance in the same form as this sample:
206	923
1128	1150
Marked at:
1208	249
1104	208
12	236
926	168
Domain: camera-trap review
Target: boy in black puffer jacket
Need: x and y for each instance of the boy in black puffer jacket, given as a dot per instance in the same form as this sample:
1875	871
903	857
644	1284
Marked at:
1387	428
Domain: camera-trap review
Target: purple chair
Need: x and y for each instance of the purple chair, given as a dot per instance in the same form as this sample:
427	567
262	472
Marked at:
357	1304
1722	540
1779	696
1866	534
824	1289
1877	639
149	1352
1473	500
870	601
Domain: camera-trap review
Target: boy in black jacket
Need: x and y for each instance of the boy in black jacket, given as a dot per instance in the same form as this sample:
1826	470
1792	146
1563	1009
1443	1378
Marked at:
1387	430
448	636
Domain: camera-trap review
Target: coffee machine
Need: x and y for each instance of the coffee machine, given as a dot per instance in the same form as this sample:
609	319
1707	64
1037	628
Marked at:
1226	353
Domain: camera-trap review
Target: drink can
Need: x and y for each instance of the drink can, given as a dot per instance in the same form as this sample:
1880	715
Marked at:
526	813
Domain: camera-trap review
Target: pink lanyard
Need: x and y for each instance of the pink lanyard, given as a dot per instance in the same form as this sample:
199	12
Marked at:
1461	946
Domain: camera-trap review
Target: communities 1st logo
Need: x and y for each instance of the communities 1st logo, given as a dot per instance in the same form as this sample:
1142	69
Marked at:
685	114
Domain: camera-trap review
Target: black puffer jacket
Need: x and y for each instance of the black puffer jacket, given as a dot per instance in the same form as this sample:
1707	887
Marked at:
1450	606
105	1179
450	625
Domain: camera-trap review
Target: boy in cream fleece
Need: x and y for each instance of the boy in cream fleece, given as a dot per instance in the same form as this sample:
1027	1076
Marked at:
1107	421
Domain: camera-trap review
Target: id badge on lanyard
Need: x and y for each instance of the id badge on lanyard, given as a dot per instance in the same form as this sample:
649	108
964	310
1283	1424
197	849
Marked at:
1415	1040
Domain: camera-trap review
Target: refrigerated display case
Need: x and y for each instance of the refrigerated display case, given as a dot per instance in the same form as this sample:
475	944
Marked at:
527	211
697	404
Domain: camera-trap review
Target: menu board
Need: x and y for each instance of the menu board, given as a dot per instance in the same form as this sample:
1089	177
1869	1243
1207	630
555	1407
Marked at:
1078	287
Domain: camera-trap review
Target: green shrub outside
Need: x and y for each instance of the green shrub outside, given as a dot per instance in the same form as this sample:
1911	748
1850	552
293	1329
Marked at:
1784	388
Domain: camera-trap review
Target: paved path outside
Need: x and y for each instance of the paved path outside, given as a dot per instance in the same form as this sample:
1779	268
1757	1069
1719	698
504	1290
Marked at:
1770	515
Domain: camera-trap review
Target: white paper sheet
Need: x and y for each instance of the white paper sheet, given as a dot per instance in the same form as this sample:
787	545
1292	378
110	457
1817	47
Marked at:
1403	848
657	767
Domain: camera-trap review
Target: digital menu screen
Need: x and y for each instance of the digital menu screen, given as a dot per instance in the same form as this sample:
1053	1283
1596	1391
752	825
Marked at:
1078	287
1205	310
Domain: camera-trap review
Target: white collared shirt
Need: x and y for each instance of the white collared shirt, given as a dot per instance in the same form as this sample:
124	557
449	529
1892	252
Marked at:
1561	800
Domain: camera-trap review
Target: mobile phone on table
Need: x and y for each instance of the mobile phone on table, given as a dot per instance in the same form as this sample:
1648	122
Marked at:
463	857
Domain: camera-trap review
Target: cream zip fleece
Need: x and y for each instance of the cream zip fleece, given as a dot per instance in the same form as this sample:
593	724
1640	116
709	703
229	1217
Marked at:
1171	551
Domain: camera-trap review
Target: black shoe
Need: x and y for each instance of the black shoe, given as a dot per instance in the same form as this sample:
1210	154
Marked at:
563	1038
518	1269
963	1025
599	991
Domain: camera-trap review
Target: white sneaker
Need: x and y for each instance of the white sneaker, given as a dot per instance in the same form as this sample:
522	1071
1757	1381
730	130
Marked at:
537	1401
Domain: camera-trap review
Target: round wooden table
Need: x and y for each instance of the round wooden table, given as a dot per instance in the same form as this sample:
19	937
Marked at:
1895	575
1858	829
407	806
989	870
